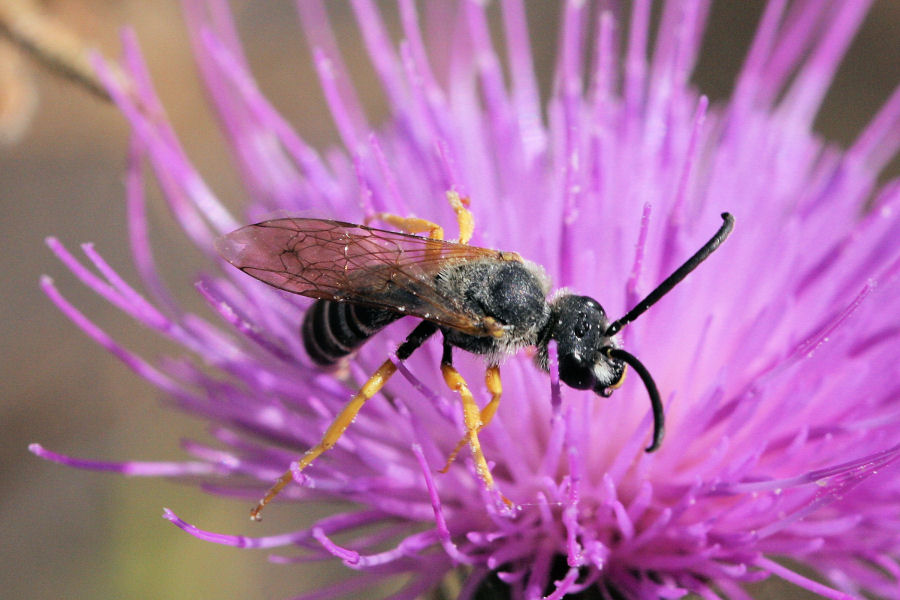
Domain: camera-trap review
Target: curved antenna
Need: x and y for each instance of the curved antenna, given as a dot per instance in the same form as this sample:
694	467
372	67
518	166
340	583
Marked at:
673	279
659	416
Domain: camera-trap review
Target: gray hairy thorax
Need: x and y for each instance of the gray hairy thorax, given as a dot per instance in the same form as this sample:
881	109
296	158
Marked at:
513	293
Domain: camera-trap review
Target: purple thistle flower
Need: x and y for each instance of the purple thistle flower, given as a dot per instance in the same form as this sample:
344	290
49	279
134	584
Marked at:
777	359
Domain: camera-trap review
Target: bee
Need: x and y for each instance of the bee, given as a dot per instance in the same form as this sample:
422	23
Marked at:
488	302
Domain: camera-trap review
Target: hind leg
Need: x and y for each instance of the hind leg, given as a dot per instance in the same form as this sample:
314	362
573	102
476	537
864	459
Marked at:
371	387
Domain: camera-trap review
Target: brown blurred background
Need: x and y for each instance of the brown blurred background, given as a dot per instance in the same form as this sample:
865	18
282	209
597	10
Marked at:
76	534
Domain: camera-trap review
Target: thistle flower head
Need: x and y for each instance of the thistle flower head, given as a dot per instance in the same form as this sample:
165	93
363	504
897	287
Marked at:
775	360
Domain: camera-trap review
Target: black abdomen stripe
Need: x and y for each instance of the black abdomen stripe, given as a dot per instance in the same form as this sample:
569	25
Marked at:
332	330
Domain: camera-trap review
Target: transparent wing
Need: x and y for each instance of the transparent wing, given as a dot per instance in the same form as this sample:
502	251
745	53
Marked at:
339	261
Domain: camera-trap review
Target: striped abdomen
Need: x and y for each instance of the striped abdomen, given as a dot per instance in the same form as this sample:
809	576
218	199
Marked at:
332	330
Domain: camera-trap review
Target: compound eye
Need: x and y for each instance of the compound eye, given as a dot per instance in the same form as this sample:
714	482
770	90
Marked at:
575	374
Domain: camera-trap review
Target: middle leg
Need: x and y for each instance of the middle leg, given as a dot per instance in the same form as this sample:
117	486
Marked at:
494	386
471	414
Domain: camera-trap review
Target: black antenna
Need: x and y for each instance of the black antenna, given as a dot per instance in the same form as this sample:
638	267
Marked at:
673	279
655	401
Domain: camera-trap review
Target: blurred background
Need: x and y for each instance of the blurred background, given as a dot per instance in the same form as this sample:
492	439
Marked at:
77	534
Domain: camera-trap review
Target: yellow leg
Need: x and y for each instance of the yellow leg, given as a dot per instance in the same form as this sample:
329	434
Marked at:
495	387
463	216
436	232
412	225
333	433
472	419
